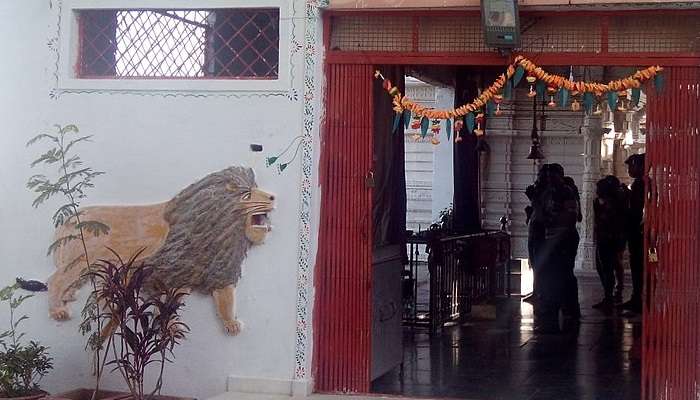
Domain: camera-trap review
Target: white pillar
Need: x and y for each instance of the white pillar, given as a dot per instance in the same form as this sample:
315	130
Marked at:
592	134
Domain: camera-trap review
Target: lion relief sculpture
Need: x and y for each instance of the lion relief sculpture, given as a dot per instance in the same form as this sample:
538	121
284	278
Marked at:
196	241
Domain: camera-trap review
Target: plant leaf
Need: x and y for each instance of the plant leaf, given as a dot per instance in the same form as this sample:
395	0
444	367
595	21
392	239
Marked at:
68	129
42	136
63	214
76	141
58	243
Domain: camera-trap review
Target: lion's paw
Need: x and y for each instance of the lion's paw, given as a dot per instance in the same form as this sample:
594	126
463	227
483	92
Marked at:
232	327
60	313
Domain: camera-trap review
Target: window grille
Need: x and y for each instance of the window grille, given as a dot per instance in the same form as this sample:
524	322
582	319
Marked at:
221	43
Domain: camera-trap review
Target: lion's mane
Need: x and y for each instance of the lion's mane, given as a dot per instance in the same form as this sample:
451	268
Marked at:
206	244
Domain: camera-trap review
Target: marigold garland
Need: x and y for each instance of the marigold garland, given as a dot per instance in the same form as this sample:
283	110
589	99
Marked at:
520	66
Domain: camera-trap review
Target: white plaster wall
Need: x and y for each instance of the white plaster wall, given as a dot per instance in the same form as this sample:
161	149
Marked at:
151	147
443	167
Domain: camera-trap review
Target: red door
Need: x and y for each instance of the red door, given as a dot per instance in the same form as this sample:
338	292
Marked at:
342	320
671	340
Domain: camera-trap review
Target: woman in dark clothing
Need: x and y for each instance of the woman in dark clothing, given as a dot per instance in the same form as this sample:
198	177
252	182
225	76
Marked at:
555	212
609	227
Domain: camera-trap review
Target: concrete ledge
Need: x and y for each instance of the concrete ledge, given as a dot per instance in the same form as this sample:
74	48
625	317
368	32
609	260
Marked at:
265	386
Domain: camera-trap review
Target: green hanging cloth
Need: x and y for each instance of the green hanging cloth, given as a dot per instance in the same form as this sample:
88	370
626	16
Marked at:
508	91
424	125
612	100
470	122
518	75
397	122
490	108
588	102
448	127
563	98
540	88
636	94
659	82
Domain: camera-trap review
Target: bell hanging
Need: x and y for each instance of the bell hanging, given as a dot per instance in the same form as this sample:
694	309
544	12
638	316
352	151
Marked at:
535	152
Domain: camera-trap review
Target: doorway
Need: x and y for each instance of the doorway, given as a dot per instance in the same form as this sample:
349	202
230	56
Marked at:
343	344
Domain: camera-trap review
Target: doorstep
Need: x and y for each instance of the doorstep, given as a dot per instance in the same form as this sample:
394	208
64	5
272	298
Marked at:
256	396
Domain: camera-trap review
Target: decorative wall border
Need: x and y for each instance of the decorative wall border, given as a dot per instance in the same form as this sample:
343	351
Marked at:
54	46
310	121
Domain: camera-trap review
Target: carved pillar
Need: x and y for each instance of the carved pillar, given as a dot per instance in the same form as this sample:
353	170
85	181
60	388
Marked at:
592	134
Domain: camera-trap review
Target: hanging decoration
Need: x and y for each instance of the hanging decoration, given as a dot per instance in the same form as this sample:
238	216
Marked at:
569	93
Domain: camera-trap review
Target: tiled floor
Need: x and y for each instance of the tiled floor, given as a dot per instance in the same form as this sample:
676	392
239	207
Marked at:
504	359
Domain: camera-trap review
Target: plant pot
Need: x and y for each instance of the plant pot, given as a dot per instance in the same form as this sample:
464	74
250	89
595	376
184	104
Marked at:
86	394
30	397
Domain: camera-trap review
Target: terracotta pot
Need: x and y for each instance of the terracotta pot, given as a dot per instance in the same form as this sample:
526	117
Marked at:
86	394
31	397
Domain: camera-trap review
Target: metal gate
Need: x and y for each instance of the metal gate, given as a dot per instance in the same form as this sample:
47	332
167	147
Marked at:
671	338
342	318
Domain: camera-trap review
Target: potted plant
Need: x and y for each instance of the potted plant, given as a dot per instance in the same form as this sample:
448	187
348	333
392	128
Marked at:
141	324
22	365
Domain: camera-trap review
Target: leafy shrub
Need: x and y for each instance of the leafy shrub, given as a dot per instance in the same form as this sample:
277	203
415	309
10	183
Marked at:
21	365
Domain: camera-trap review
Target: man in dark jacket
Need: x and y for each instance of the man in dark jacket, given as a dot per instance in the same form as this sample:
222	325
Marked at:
635	231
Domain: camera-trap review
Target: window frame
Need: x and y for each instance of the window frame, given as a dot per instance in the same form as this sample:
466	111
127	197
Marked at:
69	80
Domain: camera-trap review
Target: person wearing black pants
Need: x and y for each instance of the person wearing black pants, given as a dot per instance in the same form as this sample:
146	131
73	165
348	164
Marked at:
609	209
635	231
556	209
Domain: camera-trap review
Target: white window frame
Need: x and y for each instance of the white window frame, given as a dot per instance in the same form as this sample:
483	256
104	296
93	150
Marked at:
69	50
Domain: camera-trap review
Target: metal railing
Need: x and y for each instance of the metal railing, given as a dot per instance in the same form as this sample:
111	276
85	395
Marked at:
463	270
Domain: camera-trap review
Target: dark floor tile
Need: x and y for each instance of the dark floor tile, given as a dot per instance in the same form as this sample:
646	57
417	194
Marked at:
597	359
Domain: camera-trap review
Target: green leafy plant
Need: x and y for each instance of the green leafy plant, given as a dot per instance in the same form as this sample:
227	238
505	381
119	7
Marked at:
21	365
446	219
142	325
71	182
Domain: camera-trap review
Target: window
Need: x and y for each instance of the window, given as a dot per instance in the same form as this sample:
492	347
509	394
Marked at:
220	43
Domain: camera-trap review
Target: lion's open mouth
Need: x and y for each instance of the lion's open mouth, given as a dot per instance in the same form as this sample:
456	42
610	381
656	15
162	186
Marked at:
260	220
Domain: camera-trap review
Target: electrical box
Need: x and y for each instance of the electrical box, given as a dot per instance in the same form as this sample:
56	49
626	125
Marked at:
501	23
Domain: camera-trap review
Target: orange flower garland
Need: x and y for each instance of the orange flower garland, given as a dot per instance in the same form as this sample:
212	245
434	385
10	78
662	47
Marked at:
493	92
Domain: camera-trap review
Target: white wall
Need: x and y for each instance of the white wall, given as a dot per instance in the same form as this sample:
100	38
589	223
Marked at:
443	167
151	147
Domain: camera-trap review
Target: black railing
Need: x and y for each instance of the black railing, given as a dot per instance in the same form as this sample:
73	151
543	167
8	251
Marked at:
463	270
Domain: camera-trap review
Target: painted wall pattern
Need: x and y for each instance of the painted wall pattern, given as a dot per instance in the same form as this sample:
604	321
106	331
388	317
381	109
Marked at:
311	121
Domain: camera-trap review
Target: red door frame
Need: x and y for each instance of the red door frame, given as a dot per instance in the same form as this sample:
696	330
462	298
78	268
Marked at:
341	362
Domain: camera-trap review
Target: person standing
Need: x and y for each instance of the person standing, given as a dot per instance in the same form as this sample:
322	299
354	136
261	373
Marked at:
573	215
535	227
609	229
558	212
635	231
